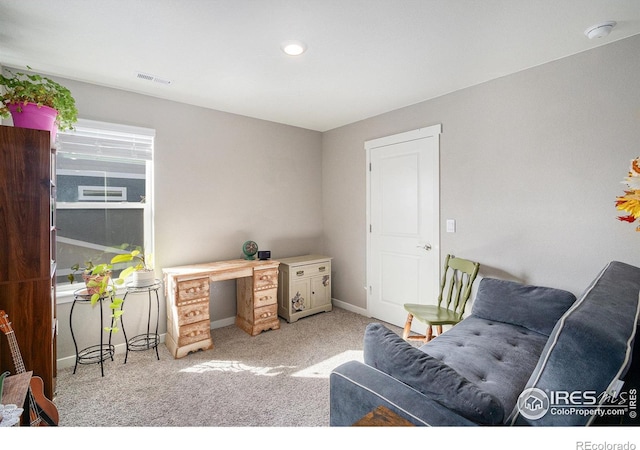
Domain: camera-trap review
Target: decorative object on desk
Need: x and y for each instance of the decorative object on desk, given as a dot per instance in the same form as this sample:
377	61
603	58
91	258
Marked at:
249	248
37	102
263	255
140	270
630	201
42	411
99	284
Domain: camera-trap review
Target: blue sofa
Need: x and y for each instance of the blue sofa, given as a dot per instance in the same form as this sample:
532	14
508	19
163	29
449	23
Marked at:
526	355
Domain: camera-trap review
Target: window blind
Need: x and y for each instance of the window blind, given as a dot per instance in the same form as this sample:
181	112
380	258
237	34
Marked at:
107	139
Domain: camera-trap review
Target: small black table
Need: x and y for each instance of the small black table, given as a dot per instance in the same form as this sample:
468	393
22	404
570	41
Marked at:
146	340
96	353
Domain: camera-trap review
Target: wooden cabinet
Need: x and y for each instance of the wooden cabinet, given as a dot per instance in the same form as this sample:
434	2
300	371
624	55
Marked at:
27	250
304	286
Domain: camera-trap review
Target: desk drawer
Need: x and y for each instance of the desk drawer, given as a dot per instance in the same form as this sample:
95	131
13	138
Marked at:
195	332
311	270
194	312
265	279
266	297
265	314
191	290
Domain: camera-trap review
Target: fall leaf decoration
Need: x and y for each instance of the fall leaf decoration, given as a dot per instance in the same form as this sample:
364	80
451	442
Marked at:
630	201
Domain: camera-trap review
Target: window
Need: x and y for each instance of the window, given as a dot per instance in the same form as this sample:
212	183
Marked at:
103	195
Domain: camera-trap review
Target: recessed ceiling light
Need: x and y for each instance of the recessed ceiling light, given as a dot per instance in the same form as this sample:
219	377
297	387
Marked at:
600	30
293	48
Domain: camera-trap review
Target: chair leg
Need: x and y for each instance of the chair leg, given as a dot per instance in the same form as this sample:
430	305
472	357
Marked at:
407	331
407	327
439	328
429	333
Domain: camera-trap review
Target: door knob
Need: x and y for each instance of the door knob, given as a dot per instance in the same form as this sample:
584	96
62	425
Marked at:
427	247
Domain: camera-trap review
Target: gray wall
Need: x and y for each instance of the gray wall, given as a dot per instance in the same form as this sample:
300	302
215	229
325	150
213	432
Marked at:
531	165
220	179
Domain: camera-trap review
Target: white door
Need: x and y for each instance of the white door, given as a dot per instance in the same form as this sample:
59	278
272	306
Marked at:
403	245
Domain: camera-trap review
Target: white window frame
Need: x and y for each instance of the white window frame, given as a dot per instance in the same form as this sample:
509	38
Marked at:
64	293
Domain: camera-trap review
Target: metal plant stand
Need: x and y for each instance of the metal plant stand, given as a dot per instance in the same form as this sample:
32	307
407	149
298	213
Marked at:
95	353
146	340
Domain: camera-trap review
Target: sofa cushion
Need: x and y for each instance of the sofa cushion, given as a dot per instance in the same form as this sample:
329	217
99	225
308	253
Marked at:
536	308
389	353
497	357
588	351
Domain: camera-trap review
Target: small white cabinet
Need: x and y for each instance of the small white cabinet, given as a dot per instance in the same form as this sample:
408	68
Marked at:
304	286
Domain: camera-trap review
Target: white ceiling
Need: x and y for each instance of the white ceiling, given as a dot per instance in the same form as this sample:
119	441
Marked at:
364	57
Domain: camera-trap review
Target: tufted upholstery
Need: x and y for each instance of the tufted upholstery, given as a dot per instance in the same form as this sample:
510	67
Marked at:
386	351
517	337
497	357
499	344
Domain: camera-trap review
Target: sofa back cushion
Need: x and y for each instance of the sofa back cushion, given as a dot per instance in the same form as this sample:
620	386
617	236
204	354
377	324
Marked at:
535	308
389	353
588	351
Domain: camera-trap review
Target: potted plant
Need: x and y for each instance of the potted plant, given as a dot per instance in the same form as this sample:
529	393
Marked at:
99	284
37	102
139	269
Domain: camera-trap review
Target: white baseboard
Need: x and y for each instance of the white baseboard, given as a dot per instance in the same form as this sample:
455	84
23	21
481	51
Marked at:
350	307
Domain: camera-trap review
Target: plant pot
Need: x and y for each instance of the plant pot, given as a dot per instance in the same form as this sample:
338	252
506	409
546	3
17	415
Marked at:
142	278
34	117
97	278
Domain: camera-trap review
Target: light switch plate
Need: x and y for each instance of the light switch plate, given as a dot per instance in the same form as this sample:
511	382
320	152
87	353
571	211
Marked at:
451	225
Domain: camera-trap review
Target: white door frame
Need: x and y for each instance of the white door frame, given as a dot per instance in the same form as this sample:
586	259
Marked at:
420	133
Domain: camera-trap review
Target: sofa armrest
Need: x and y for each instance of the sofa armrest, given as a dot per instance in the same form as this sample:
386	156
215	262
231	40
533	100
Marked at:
357	389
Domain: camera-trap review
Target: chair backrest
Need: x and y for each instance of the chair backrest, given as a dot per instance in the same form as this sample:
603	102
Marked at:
457	279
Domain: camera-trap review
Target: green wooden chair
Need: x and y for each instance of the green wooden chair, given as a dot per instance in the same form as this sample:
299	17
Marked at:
455	289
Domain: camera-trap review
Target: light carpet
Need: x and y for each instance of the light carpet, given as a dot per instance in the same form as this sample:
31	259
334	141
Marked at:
279	378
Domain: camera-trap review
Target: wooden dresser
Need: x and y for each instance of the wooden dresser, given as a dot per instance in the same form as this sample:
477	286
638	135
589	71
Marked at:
187	296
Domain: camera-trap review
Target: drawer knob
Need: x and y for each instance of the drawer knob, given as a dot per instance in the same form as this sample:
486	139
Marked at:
300	273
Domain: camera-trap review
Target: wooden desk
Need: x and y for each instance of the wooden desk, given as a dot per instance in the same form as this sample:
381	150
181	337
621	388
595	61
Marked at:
187	297
15	388
382	417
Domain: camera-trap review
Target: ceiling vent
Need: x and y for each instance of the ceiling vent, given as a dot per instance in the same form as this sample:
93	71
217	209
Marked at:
149	77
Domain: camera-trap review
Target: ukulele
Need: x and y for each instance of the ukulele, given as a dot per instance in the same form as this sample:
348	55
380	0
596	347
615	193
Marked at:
42	411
